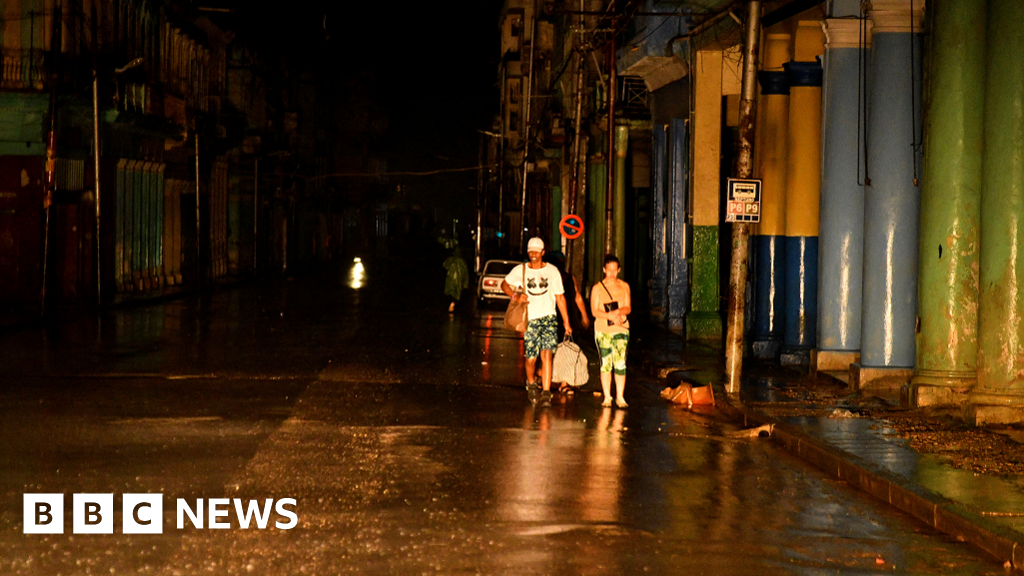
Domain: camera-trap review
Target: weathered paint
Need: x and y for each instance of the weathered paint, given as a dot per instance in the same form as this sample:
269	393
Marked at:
659	221
947	345
803	187
770	167
841	226
21	123
619	206
769	295
678	265
704	320
801	276
1001	311
891	203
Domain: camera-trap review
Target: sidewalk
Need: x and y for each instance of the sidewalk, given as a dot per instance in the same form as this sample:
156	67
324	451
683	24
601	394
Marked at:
965	482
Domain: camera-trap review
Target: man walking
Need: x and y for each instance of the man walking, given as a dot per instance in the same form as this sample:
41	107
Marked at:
542	290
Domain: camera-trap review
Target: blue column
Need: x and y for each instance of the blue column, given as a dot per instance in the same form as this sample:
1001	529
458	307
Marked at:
678	266
841	232
659	223
892	198
803	196
771	148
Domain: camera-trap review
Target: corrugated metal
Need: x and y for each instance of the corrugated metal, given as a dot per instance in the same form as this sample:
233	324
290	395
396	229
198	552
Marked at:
70	175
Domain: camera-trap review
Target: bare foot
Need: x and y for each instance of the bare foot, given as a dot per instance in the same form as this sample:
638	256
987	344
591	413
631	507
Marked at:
621	403
607	402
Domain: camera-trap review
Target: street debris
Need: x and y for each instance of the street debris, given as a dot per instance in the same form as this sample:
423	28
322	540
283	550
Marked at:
763	431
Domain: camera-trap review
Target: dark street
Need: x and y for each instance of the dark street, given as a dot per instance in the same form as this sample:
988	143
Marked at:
406	438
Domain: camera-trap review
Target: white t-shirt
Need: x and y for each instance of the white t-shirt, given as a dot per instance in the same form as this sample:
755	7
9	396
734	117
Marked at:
542	285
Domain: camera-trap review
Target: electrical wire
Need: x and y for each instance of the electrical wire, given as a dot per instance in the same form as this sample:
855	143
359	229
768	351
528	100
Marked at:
389	174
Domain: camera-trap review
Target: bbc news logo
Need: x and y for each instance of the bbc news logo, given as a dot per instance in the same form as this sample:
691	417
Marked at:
144	513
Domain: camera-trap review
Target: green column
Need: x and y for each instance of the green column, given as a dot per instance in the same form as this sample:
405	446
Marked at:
947	344
999	395
594	224
619	207
704	322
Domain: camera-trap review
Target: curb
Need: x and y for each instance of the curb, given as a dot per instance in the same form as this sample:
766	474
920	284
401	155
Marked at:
934	510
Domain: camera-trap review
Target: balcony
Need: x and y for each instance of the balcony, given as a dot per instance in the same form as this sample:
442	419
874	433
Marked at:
23	69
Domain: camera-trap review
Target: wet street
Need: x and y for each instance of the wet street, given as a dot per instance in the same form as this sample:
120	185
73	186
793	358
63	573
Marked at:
406	439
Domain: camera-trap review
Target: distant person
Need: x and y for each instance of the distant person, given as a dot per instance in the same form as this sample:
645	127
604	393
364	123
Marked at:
456	280
578	316
579	319
610	303
543	293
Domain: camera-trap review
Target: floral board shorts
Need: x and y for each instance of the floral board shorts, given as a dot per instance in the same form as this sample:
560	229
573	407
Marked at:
540	335
613	350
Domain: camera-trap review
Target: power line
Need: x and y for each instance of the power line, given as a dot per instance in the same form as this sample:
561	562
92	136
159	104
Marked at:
388	174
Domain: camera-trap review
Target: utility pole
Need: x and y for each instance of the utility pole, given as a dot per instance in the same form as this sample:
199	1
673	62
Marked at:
478	245
526	131
575	254
740	230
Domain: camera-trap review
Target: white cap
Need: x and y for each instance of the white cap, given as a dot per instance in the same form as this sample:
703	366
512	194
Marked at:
535	245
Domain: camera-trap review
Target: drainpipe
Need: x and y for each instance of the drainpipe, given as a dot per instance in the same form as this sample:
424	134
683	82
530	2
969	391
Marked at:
741	231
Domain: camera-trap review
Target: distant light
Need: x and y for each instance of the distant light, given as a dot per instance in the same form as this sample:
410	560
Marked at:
357	276
357	260
501	234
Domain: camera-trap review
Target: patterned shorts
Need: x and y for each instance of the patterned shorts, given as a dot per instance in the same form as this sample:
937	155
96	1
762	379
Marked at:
613	350
540	335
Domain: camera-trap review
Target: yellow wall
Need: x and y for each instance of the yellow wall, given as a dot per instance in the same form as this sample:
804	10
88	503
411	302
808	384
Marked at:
707	137
771	144
804	164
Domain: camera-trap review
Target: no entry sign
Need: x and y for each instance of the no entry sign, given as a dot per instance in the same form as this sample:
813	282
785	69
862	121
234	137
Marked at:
571	227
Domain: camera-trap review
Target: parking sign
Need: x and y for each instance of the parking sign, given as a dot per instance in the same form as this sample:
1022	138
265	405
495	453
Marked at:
743	200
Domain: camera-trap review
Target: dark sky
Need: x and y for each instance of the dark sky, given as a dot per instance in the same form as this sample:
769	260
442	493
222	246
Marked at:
435	73
435	64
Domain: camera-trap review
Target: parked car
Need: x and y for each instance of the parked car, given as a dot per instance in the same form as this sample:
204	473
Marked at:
489	287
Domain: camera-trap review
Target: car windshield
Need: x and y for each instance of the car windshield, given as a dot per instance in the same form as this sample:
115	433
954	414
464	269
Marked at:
499	268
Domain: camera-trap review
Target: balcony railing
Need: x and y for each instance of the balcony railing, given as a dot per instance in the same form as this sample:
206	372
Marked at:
23	69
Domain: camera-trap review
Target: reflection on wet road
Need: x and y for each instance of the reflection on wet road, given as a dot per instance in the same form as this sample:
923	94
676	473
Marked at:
407	440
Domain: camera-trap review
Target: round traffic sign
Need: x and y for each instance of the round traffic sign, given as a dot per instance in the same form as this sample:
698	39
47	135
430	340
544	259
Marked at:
571	227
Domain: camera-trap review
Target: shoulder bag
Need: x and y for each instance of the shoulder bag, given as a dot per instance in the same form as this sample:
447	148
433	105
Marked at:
515	315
